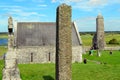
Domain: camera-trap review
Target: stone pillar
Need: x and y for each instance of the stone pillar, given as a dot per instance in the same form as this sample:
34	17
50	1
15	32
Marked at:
100	32
10	33
63	43
11	71
10	25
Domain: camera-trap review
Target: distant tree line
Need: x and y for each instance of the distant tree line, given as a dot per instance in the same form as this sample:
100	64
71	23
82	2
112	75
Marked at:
106	32
3	32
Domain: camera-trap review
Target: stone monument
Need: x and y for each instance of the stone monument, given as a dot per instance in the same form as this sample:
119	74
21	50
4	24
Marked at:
63	43
98	40
11	71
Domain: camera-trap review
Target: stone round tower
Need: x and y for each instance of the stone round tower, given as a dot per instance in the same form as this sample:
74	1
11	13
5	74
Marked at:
100	32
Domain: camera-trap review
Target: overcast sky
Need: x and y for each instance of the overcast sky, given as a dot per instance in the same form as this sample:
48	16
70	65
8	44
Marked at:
84	12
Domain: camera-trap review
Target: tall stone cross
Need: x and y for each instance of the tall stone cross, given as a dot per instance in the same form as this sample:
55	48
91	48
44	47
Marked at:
10	70
63	43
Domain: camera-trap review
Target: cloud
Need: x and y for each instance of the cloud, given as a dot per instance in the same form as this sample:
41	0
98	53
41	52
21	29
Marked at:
86	23
112	24
89	23
88	5
9	6
118	10
53	1
22	13
42	5
91	4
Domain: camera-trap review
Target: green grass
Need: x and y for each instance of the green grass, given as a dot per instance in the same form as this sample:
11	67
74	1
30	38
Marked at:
105	57
80	71
108	37
87	39
1	68
92	71
3	50
3	35
109	69
37	71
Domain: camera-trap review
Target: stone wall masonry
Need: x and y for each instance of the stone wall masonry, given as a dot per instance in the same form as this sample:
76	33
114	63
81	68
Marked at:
77	54
87	48
11	71
112	48
41	54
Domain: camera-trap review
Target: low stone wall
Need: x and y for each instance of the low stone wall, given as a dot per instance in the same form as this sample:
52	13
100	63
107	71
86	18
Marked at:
87	48
1	57
44	54
112	48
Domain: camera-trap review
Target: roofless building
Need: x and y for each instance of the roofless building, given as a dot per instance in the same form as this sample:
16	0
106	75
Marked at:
36	42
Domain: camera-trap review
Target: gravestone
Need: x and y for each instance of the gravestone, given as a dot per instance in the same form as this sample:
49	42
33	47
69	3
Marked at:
63	43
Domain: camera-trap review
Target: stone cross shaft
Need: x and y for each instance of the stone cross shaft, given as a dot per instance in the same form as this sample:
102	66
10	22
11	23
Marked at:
63	43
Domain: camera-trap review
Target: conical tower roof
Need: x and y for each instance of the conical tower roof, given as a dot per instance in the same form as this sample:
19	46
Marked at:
99	15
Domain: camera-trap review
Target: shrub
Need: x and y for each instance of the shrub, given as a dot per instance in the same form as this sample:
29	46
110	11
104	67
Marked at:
113	41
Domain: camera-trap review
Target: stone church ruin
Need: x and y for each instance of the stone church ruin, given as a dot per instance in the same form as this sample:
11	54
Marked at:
35	42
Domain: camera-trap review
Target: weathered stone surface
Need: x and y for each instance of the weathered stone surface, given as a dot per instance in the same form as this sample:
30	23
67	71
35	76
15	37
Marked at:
41	54
10	63
63	43
10	54
76	54
100	32
11	71
98	40
11	74
10	22
10	41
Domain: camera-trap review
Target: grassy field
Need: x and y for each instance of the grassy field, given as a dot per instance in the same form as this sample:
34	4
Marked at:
87	39
1	67
3	50
3	35
108	68
105	57
108	37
